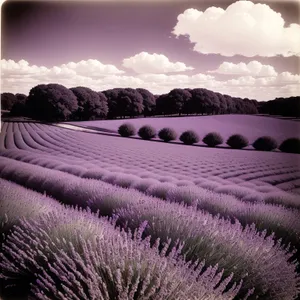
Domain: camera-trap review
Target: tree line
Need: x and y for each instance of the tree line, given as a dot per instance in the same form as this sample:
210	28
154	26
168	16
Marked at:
54	102
288	107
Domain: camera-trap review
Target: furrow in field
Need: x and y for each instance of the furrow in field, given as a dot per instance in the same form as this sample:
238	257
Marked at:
105	157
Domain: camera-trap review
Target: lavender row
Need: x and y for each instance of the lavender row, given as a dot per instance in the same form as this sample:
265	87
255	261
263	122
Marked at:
244	192
250	254
64	142
71	254
284	222
89	140
286	174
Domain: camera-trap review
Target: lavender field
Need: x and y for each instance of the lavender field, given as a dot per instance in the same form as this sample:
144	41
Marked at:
150	150
252	127
91	216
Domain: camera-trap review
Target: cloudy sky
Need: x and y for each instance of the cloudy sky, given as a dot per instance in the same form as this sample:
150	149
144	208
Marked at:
243	48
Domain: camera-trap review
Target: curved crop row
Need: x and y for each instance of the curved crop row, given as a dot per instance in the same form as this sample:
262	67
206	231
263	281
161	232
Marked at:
153	184
284	222
81	141
71	150
253	256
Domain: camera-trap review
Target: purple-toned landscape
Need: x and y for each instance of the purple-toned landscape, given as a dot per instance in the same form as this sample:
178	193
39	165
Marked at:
252	127
150	150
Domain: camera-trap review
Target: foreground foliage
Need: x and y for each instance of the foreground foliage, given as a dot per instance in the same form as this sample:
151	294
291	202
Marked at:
246	252
71	254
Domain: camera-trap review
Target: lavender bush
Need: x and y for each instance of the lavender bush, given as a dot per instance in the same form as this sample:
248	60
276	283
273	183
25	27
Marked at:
143	184
73	254
160	190
218	242
17	202
73	190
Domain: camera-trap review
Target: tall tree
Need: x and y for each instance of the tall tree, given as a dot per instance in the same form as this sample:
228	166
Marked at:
112	102
19	107
178	101
162	107
7	101
289	107
124	102
51	102
202	100
149	101
91	105
223	104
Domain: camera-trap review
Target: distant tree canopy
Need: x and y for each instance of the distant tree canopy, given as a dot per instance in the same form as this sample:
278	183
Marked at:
289	107
162	105
124	102
149	101
7	101
202	101
19	107
51	102
177	101
91	105
54	102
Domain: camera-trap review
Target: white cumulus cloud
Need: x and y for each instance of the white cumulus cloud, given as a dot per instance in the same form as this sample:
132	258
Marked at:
282	79
253	68
244	28
92	68
146	63
20	77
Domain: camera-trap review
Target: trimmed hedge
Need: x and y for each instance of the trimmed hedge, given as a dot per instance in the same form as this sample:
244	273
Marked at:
189	137
237	141
291	145
265	143
147	132
213	139
127	130
167	134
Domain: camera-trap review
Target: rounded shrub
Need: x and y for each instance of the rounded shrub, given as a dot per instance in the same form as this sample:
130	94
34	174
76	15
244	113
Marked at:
167	134
265	143
291	145
147	132
127	130
189	137
237	141
213	139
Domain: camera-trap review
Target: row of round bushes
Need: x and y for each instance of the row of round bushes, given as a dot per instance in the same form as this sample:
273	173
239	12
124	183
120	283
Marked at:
213	139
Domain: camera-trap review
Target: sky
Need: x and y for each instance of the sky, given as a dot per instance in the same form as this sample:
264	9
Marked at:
248	49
